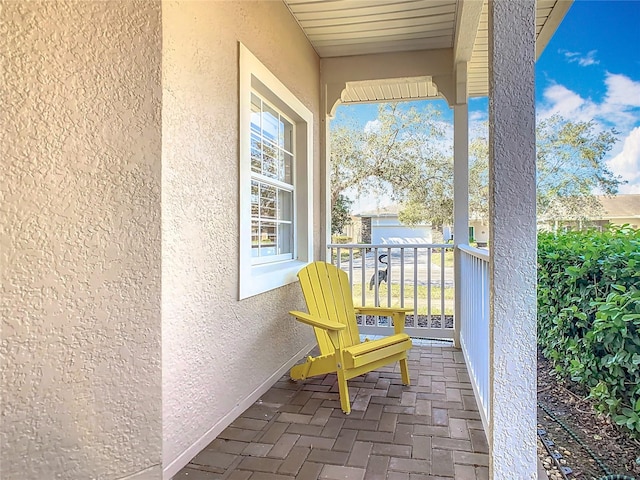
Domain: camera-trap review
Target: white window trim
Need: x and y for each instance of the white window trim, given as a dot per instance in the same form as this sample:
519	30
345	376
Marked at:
256	279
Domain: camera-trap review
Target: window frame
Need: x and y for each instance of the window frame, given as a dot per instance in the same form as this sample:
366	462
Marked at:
278	184
256	278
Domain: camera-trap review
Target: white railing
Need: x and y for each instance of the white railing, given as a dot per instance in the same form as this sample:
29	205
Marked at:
474	322
419	276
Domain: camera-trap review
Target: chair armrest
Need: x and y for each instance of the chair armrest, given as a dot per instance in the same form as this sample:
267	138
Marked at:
381	310
317	322
398	315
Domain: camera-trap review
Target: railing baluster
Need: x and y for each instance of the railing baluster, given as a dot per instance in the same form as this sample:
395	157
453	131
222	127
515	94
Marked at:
376	283
415	287
442	252
429	287
388	277
402	277
351	268
363	258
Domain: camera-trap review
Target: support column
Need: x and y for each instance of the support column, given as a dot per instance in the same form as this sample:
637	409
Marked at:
325	175
512	170
460	199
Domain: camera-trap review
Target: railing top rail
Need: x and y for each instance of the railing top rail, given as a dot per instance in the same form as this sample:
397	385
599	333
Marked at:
391	245
475	252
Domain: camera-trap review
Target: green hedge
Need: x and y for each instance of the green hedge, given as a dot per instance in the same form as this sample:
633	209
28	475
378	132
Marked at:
589	315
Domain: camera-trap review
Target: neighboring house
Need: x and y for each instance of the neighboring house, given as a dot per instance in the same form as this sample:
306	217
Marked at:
623	209
620	210
165	176
479	231
382	226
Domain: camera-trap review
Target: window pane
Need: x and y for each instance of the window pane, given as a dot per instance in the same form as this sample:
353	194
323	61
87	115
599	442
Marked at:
285	206
255	113
286	167
268	238
286	135
270	164
255	238
270	123
285	238
267	202
255	199
256	154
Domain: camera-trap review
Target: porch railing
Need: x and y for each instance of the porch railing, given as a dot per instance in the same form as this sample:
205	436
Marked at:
420	276
474	322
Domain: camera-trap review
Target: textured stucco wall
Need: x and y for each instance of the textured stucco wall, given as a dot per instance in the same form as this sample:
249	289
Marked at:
80	242
512	169
217	350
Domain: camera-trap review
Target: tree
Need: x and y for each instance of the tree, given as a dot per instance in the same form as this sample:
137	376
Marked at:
398	155
340	214
571	167
408	157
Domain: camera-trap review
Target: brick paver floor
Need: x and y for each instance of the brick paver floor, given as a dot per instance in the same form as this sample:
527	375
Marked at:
429	430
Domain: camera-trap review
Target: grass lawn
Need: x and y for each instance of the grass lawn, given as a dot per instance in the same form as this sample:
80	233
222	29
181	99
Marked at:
448	258
436	295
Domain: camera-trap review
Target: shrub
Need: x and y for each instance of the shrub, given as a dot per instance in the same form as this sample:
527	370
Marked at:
341	239
589	315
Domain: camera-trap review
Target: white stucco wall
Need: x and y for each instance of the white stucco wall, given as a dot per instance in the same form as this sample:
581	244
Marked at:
216	350
512	207
80	245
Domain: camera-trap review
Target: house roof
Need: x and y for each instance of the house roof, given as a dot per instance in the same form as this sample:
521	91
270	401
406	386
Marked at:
386	211
343	28
621	206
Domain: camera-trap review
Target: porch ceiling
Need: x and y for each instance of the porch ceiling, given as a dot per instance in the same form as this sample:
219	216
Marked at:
339	28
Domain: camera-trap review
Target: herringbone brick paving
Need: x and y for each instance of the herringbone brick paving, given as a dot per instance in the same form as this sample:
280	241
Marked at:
429	430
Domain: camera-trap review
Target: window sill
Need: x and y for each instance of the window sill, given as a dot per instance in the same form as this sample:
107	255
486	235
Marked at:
270	276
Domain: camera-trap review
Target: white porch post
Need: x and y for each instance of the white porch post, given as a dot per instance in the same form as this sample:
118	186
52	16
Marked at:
325	176
460	199
512	435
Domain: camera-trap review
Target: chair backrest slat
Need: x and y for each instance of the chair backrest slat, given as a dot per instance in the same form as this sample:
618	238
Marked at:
327	293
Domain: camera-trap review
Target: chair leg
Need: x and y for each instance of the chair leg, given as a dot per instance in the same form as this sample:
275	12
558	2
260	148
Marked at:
344	392
404	369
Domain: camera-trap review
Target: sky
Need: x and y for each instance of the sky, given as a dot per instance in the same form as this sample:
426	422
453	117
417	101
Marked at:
590	70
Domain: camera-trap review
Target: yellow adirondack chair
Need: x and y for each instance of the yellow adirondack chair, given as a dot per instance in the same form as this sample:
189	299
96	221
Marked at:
327	294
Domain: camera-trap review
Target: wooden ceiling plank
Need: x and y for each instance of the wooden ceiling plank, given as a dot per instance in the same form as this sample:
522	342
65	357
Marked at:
365	49
386	38
437	21
330	6
374	33
374	13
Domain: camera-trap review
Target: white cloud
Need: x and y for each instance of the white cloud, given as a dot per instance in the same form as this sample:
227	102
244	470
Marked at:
588	59
562	101
622	91
477	116
569	55
373	126
618	107
583	60
627	162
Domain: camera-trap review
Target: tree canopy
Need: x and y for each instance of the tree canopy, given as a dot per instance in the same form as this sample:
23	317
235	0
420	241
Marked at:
395	156
571	167
407	156
340	214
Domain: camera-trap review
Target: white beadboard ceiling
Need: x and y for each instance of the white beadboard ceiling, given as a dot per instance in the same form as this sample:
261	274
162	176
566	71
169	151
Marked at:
338	28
